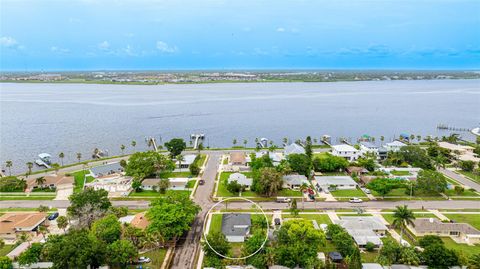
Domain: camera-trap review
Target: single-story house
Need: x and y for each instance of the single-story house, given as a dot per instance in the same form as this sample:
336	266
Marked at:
176	183
138	220
462	232
364	229
241	179
335	182
236	226
346	151
187	161
356	170
294	181
51	181
293	148
238	158
13	223
394	146
274	156
106	170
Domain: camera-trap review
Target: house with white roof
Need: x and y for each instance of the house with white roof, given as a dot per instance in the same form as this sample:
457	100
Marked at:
340	182
241	179
394	146
364	229
294	148
368	147
294	181
346	151
187	161
274	156
176	183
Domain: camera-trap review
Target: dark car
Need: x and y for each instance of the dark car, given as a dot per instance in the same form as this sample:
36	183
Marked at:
53	216
277	221
201	182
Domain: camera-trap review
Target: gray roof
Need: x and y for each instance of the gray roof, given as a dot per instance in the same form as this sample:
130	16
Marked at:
236	224
362	229
106	169
294	179
240	178
294	149
371	266
335	180
188	159
423	225
369	145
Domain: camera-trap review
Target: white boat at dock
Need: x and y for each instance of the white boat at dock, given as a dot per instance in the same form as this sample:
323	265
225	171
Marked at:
45	160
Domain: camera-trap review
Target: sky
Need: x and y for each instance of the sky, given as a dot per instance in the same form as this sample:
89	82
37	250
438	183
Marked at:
238	34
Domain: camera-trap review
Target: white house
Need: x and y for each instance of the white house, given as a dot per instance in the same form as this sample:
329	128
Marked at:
368	147
294	181
340	182
394	146
294	148
241	179
176	183
187	161
346	151
364	229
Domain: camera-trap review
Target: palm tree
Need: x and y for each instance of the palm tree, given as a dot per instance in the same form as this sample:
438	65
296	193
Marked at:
9	165
402	217
382	138
79	156
23	237
122	148
40	181
245	143
61	155
234	142
303	188
29	167
134	144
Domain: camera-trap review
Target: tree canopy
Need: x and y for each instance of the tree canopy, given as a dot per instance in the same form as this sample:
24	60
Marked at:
12	184
329	163
431	182
107	229
300	163
267	181
88	205
145	164
175	146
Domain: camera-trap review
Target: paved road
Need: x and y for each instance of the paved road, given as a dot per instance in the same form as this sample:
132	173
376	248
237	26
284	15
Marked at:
460	178
187	249
416	204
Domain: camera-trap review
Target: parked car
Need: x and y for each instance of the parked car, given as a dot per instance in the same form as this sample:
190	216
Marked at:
277	221
201	182
311	197
144	260
355	200
365	190
283	200
53	216
310	191
326	191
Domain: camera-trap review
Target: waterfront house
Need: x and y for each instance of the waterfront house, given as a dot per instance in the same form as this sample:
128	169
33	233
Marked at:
368	147
238	158
241	179
459	232
364	229
106	170
394	146
346	151
236	226
335	182
13	223
294	181
188	160
293	148
176	183
51	181
465	152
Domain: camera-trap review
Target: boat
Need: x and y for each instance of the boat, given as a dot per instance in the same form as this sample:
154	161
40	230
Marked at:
45	160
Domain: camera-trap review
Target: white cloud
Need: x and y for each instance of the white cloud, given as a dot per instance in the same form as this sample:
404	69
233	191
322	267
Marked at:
280	29
165	48
8	42
104	45
59	50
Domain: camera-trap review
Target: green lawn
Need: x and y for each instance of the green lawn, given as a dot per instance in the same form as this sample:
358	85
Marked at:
472	219
43	197
191	183
222	187
369	257
320	218
348	193
470	175
79	177
400	173
154	193
468	192
5	250
389	217
216	223
156	256
462	248
289	193
176	174
201	160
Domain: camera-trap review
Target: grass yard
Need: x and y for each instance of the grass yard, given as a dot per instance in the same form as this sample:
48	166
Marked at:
348	193
320	218
176	174
462	248
389	217
222	187
468	192
152	194
191	183
369	257
400	173
43	197
289	193
5	250
201	160
156	256
216	223
470	175
79	177
472	219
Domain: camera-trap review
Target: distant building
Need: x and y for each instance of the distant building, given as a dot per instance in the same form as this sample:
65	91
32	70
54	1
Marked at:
176	183
236	226
51	181
294	148
346	151
465	152
394	146
138	220
368	147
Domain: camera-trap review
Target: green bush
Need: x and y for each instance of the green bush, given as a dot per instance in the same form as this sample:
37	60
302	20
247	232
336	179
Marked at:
12	184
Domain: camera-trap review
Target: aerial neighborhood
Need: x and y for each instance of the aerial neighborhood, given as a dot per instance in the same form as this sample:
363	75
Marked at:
411	202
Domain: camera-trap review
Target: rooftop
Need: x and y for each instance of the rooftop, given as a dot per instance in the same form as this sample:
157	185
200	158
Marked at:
335	180
295	179
294	149
240	178
106	169
425	225
12	221
344	147
237	157
236	224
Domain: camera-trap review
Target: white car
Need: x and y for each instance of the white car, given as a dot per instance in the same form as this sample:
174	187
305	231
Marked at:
144	259
355	200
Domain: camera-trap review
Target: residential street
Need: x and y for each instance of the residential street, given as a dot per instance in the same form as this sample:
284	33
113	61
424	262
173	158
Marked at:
460	178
